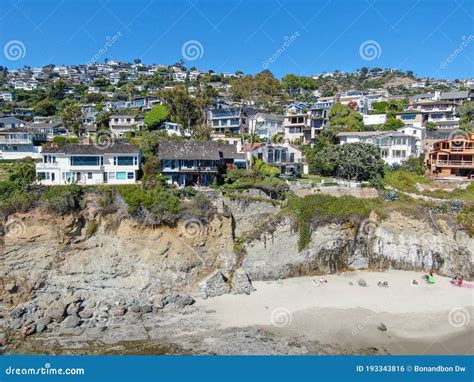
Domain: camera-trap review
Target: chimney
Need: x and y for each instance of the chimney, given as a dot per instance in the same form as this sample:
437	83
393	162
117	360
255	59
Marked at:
86	141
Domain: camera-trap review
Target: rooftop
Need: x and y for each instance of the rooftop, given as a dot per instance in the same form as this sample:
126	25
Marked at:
90	149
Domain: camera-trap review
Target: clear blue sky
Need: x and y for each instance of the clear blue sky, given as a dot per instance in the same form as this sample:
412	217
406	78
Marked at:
321	35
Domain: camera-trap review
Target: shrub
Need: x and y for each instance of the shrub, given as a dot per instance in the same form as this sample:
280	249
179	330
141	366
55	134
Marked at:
62	199
91	228
157	205
391	195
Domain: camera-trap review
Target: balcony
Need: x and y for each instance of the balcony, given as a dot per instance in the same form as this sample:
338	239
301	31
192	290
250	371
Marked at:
453	163
46	166
191	169
17	141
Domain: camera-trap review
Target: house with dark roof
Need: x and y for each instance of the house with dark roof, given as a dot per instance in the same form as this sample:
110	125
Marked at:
89	164
11	123
189	163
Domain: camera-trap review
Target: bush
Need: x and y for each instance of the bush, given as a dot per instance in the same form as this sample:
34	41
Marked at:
157	205
62	199
91	228
266	170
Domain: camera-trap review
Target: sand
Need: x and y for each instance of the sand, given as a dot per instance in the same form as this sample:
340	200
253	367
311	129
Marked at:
424	319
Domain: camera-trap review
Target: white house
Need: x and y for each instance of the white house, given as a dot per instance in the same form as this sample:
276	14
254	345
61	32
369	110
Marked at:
121	124
395	147
287	158
174	129
19	143
87	164
374	119
265	125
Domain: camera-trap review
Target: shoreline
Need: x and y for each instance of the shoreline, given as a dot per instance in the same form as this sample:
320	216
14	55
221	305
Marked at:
400	319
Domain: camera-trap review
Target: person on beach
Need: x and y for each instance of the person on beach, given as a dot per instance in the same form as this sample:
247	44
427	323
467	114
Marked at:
431	272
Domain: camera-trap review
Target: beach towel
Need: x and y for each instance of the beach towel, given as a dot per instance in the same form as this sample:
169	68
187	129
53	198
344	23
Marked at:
431	279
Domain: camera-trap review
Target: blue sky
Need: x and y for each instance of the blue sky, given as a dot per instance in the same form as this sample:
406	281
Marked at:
431	37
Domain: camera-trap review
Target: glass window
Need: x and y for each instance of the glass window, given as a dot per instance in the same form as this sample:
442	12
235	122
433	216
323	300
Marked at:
121	175
40	175
188	163
277	156
129	175
166	163
270	156
89	175
111	175
84	161
125	161
283	155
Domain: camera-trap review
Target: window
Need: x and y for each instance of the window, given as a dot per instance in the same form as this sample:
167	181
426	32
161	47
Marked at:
384	153
188	163
135	161
277	156
41	175
84	161
115	161
121	175
283	156
292	157
270	156
129	175
89	175
111	175
125	161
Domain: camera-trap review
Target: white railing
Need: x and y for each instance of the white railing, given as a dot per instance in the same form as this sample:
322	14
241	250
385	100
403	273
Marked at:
43	165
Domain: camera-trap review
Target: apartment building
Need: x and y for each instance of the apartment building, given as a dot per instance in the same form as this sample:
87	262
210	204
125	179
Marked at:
120	124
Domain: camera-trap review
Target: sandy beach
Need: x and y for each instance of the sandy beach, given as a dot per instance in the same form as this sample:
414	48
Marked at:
423	319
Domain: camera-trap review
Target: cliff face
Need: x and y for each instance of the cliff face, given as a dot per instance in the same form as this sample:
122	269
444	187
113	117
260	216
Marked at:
397	242
45	256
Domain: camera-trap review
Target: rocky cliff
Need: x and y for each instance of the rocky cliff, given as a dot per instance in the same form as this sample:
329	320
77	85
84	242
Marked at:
84	269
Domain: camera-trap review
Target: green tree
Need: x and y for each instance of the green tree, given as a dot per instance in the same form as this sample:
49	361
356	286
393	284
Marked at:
431	126
466	112
71	116
156	116
22	172
45	108
393	124
344	118
354	161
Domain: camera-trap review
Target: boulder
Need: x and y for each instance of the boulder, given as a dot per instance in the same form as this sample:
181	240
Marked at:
16	324
73	308
71	322
185	300
146	308
87	312
362	283
241	283
57	311
28	330
135	308
382	327
214	285
17	312
118	311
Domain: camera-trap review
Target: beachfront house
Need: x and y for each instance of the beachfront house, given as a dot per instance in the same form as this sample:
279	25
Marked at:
197	163
87	164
